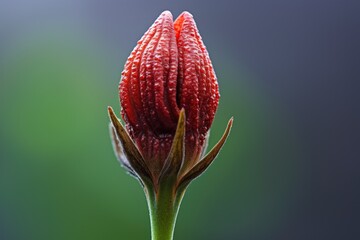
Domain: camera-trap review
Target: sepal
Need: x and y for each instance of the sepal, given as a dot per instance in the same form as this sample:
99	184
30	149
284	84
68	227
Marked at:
175	158
204	163
131	152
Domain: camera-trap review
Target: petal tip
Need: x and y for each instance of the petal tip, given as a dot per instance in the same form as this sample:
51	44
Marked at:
166	13
186	14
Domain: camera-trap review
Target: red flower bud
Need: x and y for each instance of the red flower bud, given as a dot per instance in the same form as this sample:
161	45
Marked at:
169	95
169	69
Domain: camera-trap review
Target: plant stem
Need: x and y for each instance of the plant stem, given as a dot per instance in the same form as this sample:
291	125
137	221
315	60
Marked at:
163	210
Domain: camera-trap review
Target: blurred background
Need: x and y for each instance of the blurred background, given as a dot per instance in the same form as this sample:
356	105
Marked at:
288	72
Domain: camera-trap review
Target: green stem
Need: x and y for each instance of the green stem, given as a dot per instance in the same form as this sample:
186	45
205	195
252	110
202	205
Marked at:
163	210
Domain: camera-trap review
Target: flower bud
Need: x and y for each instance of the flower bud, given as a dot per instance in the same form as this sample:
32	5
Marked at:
169	95
169	69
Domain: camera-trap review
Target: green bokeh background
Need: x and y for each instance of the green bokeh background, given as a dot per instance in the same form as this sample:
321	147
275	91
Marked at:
59	178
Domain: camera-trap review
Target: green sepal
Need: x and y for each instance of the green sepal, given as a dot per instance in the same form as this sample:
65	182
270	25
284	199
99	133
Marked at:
130	150
204	163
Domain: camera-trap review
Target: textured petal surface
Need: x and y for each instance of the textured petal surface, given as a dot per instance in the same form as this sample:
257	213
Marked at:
148	90
198	90
169	69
